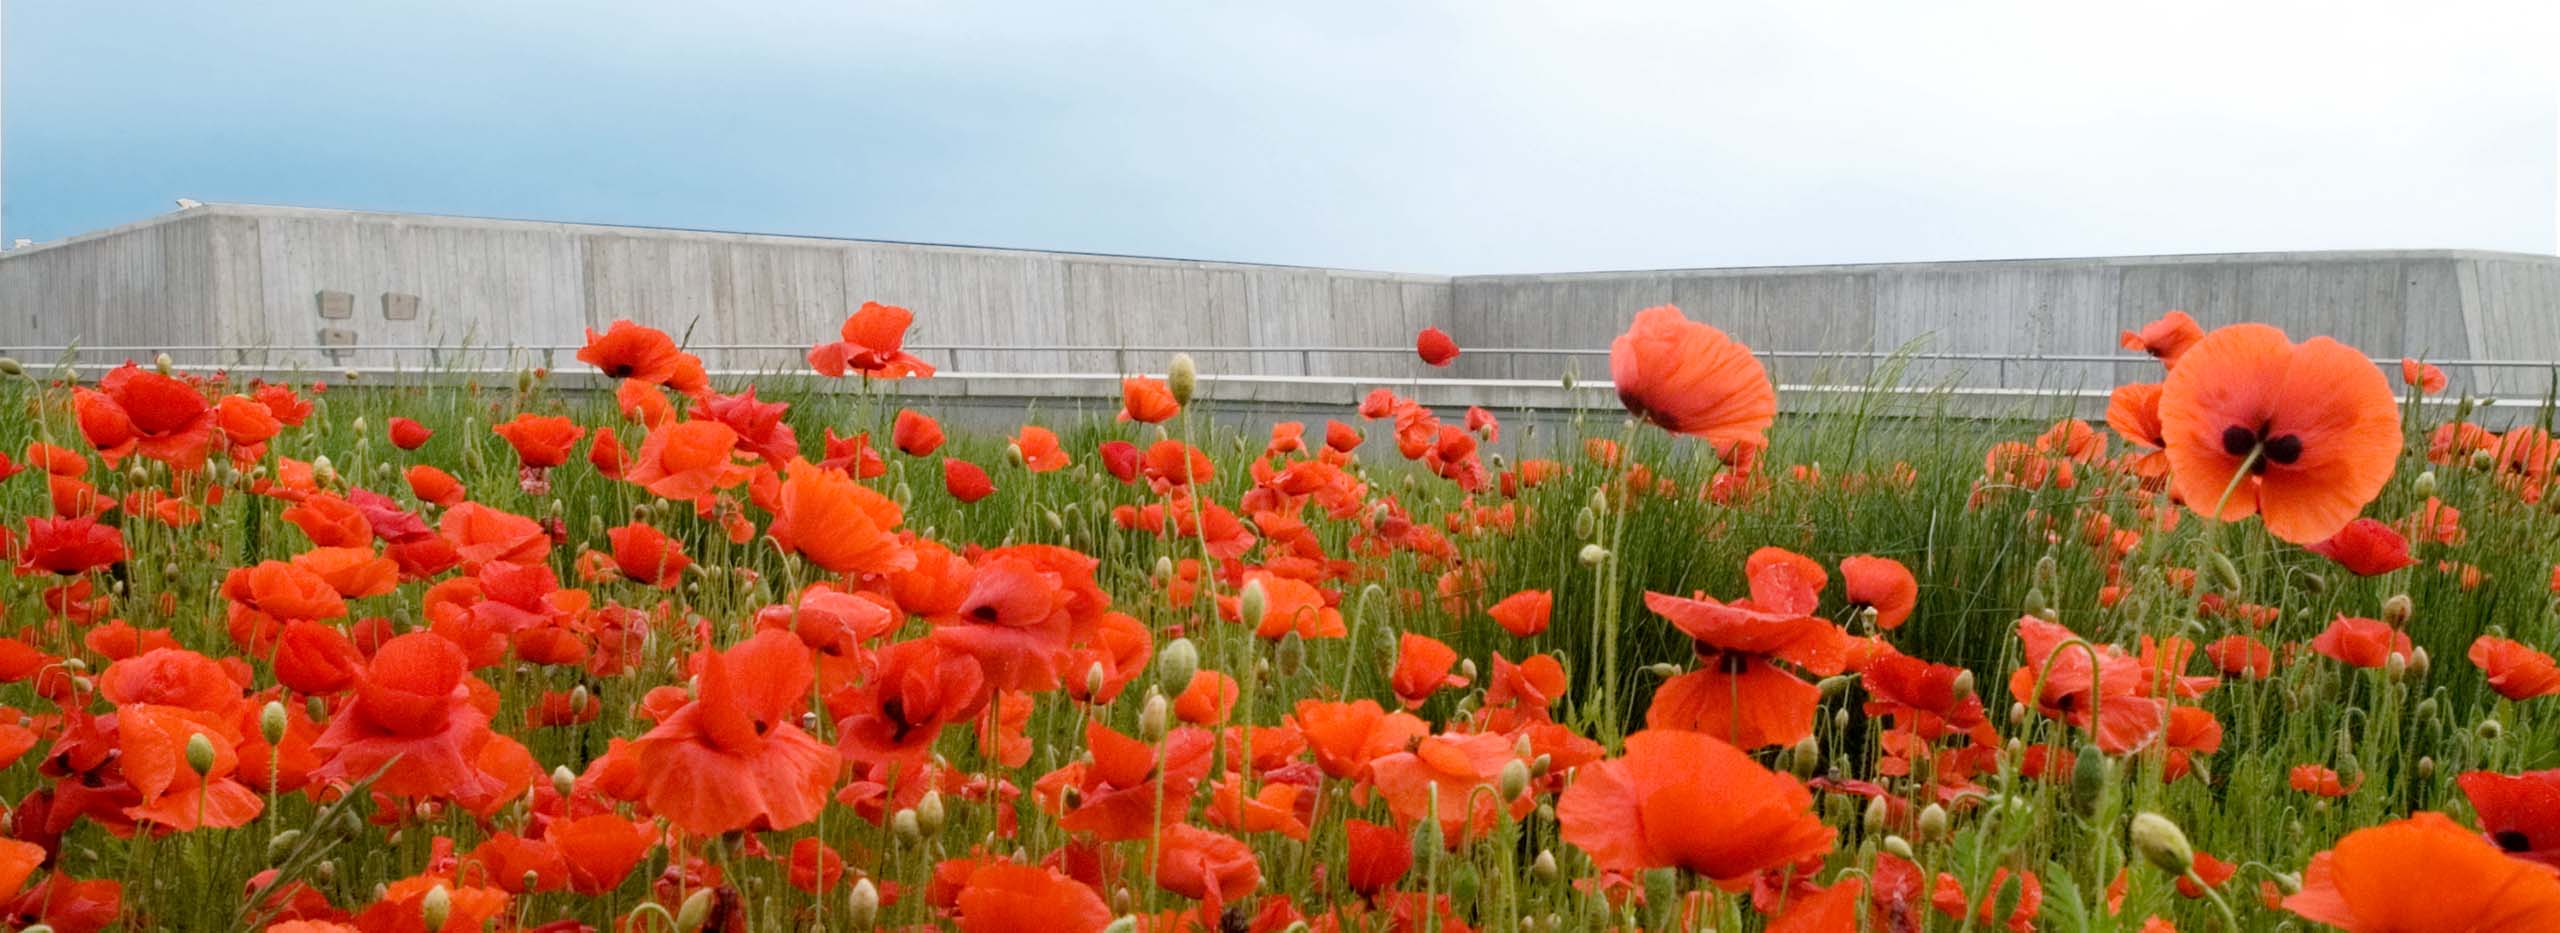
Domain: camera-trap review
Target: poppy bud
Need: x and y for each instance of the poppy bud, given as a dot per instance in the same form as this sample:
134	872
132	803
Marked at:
2425	484
1877	812
1152	724
2162	843
696	910
1662	886
2397	610
437	907
271	721
2226	573
1963	685
2490	730
1126	924
1833	686
2036	602
1663	669
863	904
2427	709
2289	884
1290	655
200	754
1867	616
164	364
2396	667
1544	868
902	824
1515	779
1586	524
1899	846
1593	555
1253	603
1839	808
1093	679
1567	381
929	813
1182	376
9	366
282	845
2315	584
2426	767
2089	777
1933	822
1178	663
2047	571
564	780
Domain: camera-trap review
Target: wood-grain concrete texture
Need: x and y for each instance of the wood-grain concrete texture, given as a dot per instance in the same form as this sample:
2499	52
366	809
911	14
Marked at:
248	279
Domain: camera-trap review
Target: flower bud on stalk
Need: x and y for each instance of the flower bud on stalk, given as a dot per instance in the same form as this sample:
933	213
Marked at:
437	907
1182	376
2162	843
1178	663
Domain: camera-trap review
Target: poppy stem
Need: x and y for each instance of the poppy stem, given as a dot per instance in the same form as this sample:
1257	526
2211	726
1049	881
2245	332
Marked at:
2247	463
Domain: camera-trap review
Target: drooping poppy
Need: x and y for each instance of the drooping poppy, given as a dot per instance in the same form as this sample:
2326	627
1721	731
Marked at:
2366	548
837	523
2168	338
1882	584
966	481
1690	801
2422	376
873	344
2313	423
1691	379
2516	670
736	757
1147	400
1524	613
1435	346
2425	873
540	441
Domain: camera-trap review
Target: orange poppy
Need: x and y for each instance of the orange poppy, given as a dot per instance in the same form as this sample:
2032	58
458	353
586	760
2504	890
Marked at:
2168	338
629	351
1003	897
1206	866
2425	873
1422	668
1882	584
1740	693
2366	548
2133	411
1691	379
736	757
1039	450
2520	813
686	460
647	555
915	434
1175	463
2424	377
838	524
1435	346
541	441
914	690
136	409
2319	780
1524	613
873	345
2361	642
430	484
1346	736
1690	801
2313	422
2516	670
1451	769
1147	400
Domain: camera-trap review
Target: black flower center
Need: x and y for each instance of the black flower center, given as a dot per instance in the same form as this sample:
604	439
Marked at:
2281	449
2512	840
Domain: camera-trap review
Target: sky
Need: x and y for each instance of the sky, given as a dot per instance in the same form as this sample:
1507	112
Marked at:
1469	136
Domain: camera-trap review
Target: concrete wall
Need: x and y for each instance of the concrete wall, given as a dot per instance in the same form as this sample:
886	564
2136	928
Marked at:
247	278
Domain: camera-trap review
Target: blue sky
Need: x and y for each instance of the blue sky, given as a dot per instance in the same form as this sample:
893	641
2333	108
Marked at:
1452	137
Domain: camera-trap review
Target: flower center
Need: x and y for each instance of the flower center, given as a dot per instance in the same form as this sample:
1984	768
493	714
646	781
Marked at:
2282	449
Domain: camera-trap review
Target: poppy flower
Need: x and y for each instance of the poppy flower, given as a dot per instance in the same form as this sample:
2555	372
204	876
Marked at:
873	344
140	410
2321	781
915	688
2424	377
736	757
69	546
1340	437
647	555
1147	400
1346	736
1435	346
2241	656
2168	338
686	460
315	659
540	441
1691	379
1690	801
2514	669
838	524
1377	856
1740	693
430	484
1882	584
1003	897
2367	548
1121	459
1450	770
629	351
1037	448
2425	873
966	481
2520	813
1206	866
2133	412
412	715
2313	423
1523	613
1422	668
2360	642
915	434
1175	463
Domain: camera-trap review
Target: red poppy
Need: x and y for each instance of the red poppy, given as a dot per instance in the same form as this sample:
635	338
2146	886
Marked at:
2322	781
1346	737
1451	771
1206	866
686	460
2424	377
1003	897
2425	873
736	757
1690	801
1038	449
2520	813
1523	613
914	690
430	484
2241	656
629	351
2361	642
2133	412
541	441
1175	463
1883	584
1341	437
1377	856
1422	668
1121	459
966	481
873	345
1147	400
136	409
2168	338
2367	548
1691	379
2314	423
316	659
645	554
2514	669
1435	346
1740	693
838	524
413	716
916	435
69	546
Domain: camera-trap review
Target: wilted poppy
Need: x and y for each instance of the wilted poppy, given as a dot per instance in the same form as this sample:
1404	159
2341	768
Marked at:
1691	379
2313	424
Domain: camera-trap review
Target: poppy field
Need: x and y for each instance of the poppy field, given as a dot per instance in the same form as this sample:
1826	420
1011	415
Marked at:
668	650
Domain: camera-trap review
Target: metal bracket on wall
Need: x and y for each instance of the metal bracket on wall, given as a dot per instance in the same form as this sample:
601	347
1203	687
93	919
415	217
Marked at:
337	342
337	306
399	307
